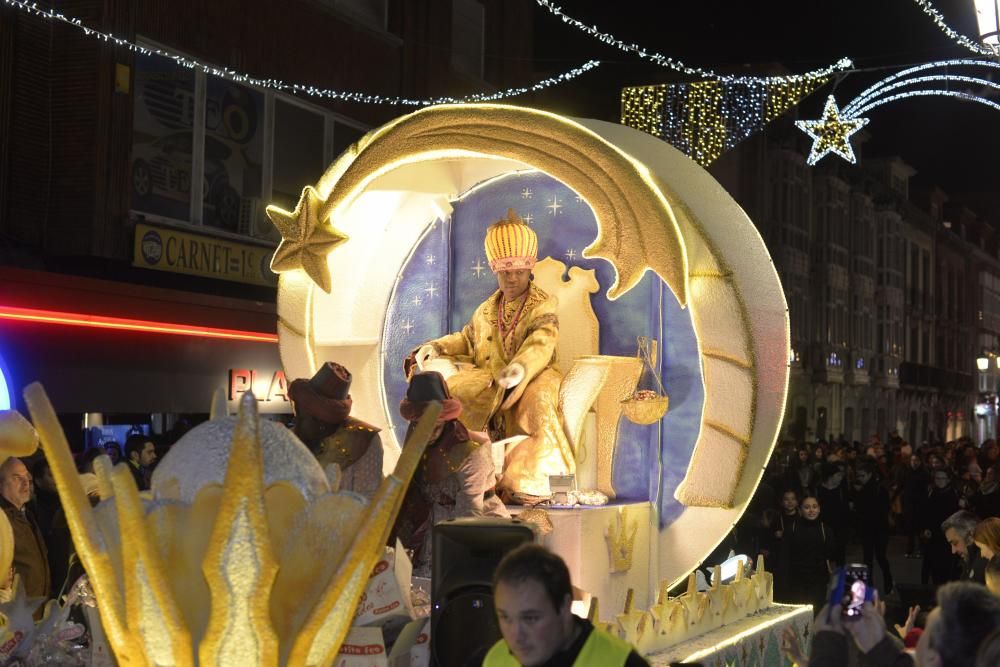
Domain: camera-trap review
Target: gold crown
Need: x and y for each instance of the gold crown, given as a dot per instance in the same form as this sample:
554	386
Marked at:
204	583
620	537
511	244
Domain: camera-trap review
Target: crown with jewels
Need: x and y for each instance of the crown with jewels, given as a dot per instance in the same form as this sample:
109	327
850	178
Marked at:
245	573
511	244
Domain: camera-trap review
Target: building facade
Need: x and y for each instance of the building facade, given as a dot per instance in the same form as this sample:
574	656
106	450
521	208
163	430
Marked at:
888	315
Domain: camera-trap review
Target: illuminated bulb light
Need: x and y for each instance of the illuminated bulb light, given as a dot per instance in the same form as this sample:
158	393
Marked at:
861	104
125	324
707	118
832	133
296	88
875	89
678	66
959	39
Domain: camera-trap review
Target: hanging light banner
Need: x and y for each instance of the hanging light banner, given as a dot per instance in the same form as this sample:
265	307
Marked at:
164	249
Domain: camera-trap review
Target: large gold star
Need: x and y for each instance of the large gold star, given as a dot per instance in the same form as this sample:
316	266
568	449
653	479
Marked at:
306	239
832	133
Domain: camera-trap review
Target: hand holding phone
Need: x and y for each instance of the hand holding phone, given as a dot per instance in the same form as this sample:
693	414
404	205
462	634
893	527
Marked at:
851	589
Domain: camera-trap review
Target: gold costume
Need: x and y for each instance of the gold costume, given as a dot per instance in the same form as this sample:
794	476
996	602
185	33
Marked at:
480	353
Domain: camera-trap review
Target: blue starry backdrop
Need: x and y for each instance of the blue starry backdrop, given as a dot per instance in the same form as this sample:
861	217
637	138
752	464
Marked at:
447	277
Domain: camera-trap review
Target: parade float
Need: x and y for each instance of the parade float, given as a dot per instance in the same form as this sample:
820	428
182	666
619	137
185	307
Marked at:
673	344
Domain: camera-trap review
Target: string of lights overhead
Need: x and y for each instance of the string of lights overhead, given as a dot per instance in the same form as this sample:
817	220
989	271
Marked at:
296	88
958	38
666	61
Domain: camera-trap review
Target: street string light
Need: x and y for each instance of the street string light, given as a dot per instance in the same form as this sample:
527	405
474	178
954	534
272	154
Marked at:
296	88
831	133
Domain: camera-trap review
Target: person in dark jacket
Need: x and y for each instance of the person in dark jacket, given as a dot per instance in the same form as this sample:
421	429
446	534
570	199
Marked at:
985	502
781	528
959	531
871	508
913	483
31	558
809	550
832	497
942	502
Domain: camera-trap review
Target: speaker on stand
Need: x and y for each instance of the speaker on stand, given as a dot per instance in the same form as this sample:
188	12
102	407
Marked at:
466	553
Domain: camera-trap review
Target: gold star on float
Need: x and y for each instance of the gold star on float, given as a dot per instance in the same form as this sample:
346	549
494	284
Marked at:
306	239
832	133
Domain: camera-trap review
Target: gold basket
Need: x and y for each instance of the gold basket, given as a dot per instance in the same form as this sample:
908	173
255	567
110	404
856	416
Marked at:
645	411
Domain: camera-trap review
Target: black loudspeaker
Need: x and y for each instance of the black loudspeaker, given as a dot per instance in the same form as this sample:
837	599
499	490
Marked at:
466	553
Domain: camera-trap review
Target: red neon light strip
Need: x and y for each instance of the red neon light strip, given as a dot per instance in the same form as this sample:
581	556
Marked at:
125	324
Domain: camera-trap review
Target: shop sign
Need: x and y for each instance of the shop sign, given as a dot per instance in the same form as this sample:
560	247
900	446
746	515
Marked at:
269	388
164	249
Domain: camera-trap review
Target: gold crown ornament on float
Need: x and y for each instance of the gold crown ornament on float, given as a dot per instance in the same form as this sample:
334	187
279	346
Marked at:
262	564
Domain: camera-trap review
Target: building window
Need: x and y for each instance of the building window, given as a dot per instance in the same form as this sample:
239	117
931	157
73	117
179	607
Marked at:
467	37
210	152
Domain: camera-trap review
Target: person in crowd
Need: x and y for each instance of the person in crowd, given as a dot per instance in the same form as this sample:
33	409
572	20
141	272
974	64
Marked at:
455	477
959	530
871	510
113	450
31	558
989	454
532	597
912	484
782	528
140	454
942	502
965	616
832	496
805	473
809	549
63	562
324	423
511	386
993	575
985	501
46	499
987	537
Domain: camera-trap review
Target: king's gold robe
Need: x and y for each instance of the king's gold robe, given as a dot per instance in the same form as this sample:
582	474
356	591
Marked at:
480	355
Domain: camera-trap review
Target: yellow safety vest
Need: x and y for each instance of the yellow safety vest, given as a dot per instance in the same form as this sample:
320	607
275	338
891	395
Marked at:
600	650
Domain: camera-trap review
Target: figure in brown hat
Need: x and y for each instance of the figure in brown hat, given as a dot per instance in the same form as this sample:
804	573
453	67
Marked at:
323	422
455	478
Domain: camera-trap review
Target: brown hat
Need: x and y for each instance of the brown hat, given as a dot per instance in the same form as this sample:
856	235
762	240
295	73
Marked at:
427	386
326	395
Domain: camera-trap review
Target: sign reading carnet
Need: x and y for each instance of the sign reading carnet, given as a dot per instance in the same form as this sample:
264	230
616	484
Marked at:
166	249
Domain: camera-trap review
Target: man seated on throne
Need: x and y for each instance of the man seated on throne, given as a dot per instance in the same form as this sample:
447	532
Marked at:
506	377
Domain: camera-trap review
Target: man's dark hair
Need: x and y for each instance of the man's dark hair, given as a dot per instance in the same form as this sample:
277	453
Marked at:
535	562
135	443
868	464
967	614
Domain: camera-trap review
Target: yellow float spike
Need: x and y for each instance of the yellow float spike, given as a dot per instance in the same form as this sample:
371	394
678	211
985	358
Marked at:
83	525
239	566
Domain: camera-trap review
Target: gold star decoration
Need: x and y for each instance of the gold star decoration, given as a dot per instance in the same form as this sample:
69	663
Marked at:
832	133
306	239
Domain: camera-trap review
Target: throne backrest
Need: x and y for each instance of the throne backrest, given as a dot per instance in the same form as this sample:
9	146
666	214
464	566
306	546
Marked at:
579	329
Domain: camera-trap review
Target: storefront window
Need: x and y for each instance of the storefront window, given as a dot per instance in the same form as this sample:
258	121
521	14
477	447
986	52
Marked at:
298	152
162	138
234	148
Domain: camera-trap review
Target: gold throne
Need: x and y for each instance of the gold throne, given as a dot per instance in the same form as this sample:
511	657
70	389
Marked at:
593	384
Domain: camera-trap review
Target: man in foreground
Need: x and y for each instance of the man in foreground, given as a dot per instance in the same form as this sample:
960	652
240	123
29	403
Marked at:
532	595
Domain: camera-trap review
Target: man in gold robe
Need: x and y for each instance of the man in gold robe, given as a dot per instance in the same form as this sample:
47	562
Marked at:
506	376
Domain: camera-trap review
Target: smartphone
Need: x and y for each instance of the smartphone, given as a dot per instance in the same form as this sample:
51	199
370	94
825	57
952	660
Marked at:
851	589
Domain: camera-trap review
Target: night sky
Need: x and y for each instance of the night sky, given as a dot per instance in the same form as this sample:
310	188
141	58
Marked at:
950	142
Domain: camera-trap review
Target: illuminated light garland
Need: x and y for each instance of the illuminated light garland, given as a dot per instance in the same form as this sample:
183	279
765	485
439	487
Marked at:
678	66
296	88
705	119
958	38
880	86
836	127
